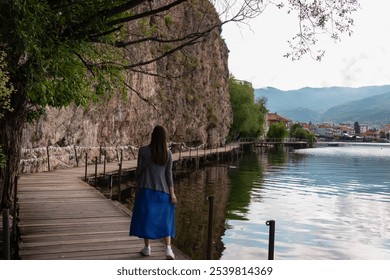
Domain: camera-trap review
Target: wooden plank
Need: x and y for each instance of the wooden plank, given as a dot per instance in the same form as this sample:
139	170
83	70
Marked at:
35	203
79	241
84	247
106	254
72	235
62	217
96	202
63	237
78	223
74	221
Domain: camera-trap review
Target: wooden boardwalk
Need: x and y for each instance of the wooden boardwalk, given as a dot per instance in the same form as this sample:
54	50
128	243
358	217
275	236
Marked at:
63	217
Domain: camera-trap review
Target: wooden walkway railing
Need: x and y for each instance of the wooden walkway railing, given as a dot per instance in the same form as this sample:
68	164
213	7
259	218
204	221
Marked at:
63	217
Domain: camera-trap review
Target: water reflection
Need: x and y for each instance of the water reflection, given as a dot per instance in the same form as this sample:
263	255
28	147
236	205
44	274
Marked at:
193	189
327	203
241	182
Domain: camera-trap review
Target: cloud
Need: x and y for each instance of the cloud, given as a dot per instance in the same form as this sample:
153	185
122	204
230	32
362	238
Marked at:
256	54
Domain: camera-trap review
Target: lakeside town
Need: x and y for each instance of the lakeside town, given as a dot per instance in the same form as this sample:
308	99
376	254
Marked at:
337	132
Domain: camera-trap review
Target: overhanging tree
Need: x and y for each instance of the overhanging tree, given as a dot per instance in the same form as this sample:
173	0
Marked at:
57	51
5	93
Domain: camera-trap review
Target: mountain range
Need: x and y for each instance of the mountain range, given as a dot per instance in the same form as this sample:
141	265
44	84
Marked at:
368	105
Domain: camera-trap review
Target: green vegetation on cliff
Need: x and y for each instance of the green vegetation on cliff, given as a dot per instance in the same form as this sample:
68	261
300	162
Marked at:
248	113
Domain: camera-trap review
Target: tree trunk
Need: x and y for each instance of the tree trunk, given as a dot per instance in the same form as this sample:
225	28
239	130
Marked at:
11	129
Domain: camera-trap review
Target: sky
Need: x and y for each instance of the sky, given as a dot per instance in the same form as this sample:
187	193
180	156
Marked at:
256	51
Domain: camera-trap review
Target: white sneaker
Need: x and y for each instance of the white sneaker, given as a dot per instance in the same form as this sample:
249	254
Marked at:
146	251
169	253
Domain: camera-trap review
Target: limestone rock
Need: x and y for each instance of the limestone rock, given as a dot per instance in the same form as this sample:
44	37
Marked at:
194	106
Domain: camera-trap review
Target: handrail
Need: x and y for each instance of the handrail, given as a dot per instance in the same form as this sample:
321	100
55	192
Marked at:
50	157
53	157
264	140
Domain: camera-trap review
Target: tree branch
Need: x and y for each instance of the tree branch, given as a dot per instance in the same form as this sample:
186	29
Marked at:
114	11
146	14
106	33
142	97
160	40
88	65
165	54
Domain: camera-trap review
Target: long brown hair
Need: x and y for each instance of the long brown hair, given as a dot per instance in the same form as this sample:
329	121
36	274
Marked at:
158	145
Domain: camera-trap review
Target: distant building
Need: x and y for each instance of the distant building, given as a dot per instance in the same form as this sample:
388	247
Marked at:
387	128
370	135
243	82
272	118
347	130
324	130
363	128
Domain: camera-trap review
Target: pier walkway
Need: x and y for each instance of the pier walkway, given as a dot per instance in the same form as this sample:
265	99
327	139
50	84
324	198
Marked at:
63	217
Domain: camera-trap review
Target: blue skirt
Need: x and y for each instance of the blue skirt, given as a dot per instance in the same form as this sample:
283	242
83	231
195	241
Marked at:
153	215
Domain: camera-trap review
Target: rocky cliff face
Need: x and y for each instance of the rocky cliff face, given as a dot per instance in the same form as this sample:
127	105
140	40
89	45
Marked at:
193	102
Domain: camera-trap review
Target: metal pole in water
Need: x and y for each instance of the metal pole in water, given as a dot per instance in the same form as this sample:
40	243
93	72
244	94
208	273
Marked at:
210	227
271	243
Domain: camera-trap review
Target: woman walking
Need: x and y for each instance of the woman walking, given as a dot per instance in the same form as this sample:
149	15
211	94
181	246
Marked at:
154	208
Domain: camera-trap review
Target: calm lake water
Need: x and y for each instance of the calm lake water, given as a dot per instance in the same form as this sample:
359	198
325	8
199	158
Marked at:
328	203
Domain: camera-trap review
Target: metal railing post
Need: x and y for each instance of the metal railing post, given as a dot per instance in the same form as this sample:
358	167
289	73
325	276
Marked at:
96	164
76	156
105	162
86	166
48	158
119	183
210	228
110	183
271	243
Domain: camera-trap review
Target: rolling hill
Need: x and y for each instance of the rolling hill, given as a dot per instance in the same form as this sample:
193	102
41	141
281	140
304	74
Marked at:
335	104
372	110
